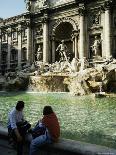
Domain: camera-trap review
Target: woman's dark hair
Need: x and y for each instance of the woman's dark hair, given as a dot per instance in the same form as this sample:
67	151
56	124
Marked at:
47	110
20	105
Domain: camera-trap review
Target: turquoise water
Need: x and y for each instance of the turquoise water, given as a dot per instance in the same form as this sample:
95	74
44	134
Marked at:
83	118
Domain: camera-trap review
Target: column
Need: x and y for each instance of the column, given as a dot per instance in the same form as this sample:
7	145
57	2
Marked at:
107	29
82	33
76	41
73	45
0	48
29	44
9	48
19	46
45	40
53	49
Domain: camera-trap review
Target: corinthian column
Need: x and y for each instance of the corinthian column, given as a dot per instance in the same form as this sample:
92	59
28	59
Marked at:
53	49
19	45
0	47
107	29
76	41
45	40
82	31
9	48
29	44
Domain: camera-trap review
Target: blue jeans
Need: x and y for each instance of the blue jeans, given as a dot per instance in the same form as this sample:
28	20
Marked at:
39	141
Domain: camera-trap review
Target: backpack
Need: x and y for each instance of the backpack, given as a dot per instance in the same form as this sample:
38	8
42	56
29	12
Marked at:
38	130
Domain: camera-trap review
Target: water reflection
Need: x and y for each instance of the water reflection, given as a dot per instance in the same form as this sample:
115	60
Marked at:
82	118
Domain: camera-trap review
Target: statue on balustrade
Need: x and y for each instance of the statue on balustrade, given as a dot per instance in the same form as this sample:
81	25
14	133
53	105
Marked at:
62	49
28	5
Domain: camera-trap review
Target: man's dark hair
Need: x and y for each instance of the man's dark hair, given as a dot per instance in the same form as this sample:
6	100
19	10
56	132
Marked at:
47	110
20	105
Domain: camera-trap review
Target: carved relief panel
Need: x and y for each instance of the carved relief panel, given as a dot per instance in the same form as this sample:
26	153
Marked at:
24	35
4	35
94	19
38	33
14	35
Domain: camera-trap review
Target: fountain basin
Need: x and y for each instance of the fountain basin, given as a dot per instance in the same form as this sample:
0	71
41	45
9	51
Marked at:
48	83
100	94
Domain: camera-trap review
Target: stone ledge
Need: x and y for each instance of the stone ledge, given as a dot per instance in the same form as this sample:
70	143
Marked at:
3	132
71	147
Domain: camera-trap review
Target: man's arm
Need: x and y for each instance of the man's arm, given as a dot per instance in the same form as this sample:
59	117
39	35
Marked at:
58	48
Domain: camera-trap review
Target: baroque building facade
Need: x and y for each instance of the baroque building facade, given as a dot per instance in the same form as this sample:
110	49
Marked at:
88	28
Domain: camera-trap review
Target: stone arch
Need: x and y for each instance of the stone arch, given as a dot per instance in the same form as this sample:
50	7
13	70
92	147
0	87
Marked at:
63	20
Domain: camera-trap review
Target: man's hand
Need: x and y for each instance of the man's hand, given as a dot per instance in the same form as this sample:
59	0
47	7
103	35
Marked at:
19	137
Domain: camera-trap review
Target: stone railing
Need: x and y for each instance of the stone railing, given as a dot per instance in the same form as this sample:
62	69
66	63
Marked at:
70	147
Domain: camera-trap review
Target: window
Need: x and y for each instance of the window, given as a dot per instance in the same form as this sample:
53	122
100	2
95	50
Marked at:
14	34
3	37
4	56
14	54
24	33
24	54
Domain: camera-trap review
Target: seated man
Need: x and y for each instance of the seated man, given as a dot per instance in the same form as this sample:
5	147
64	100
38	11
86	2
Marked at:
51	134
17	127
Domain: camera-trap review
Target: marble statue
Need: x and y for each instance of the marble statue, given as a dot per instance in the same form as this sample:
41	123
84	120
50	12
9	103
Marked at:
96	46
75	65
62	49
28	5
39	53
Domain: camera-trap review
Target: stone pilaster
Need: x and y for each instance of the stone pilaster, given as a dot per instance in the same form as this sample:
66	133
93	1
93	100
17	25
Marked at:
73	41
29	44
45	40
9	48
82	31
19	45
53	49
107	7
75	38
0	47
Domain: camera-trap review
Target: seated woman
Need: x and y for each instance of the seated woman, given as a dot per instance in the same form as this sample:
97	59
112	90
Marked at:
51	134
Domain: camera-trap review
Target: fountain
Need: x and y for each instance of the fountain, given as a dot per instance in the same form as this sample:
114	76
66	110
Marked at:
76	77
63	76
100	93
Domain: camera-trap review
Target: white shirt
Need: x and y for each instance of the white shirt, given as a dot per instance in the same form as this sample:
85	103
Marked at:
14	117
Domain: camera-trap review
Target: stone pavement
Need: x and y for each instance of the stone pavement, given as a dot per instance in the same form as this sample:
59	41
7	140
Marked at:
6	149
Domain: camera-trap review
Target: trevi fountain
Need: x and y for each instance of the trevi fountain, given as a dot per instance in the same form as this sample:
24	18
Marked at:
63	54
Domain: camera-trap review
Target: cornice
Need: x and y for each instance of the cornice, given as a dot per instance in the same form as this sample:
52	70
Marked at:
95	28
15	20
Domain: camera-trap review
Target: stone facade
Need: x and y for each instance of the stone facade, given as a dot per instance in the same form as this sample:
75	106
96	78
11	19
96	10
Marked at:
87	27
